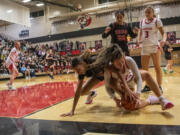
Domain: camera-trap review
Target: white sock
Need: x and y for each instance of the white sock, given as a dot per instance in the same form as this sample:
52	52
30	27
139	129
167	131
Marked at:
161	98
148	101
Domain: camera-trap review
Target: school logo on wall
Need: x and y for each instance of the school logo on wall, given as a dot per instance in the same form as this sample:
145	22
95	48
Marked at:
84	20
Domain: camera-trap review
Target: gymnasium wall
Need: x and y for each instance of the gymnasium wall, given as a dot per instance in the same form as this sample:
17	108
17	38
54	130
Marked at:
41	26
14	13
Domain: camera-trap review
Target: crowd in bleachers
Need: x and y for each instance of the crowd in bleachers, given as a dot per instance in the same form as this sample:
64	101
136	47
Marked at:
32	59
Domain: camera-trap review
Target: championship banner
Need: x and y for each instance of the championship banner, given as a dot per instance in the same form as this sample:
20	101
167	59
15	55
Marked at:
171	37
82	46
98	44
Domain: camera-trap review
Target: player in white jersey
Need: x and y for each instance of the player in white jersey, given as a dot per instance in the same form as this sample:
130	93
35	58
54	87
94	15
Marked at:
151	48
11	64
121	74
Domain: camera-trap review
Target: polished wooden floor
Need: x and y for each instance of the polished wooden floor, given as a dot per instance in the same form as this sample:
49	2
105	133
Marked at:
103	108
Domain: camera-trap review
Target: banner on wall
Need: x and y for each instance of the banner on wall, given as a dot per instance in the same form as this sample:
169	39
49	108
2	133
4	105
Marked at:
68	48
98	44
84	20
24	33
82	46
171	37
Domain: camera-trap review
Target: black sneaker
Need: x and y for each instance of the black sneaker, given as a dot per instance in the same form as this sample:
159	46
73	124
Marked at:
161	89
51	76
146	89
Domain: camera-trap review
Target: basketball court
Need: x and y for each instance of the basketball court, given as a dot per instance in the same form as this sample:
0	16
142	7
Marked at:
36	106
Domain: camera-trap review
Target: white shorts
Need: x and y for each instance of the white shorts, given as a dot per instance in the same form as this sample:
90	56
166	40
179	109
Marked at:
147	50
11	66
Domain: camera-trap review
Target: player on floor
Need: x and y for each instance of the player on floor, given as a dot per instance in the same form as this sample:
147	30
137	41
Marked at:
50	61
167	53
151	48
96	75
11	64
119	31
80	65
121	75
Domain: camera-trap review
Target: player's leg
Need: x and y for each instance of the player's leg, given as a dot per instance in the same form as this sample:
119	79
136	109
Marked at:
170	66
156	58
14	74
86	89
146	76
150	101
145	66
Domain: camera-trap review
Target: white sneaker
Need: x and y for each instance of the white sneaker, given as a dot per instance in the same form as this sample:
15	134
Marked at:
26	77
166	104
91	97
153	100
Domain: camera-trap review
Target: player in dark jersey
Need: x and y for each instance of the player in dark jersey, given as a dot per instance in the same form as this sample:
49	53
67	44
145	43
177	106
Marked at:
119	31
167	53
50	62
80	65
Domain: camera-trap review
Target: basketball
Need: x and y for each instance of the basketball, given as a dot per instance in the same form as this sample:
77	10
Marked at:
127	104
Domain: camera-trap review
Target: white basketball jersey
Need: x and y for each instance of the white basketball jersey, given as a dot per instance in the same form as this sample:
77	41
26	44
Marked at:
14	54
127	74
150	31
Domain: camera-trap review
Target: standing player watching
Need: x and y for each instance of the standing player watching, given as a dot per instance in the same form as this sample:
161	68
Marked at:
167	53
11	64
151	48
119	31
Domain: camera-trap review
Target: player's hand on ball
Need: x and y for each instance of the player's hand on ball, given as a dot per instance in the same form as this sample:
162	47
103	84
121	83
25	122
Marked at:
118	102
131	95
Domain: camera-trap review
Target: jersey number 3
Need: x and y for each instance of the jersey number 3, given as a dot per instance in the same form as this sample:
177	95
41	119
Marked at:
146	34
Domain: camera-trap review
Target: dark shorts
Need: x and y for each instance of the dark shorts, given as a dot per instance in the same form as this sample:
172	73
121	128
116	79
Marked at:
168	57
50	65
125	49
100	78
127	53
